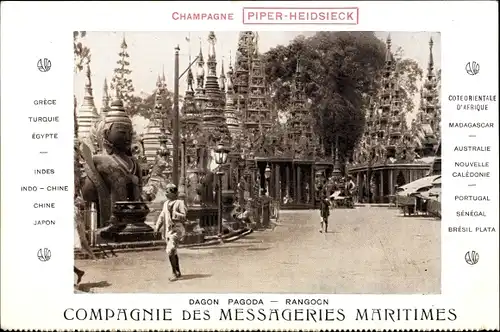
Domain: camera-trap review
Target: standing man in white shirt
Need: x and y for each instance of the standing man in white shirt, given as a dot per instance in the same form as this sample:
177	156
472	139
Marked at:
174	211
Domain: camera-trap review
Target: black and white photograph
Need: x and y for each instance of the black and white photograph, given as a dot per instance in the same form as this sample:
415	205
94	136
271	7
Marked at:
257	162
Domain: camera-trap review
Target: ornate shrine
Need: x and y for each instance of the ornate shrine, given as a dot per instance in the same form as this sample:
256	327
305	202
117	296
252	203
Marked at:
391	154
289	154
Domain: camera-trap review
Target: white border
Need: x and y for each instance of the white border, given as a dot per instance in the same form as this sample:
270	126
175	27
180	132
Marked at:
34	295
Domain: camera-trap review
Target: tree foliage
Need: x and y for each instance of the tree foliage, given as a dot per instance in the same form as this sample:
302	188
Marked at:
339	73
146	106
81	52
122	82
337	70
438	80
409	73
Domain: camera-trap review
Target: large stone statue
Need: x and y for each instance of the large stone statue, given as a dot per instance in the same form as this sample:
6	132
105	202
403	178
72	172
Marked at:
113	180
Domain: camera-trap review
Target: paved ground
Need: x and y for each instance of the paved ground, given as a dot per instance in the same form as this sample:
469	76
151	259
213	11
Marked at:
367	250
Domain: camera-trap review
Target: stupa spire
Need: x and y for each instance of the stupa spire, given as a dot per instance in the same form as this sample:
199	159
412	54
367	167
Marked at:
105	98
87	114
430	66
213	115
158	81
153	134
200	72
257	106
388	51
222	77
124	42
211	61
230	73
230	109
429	116
256	45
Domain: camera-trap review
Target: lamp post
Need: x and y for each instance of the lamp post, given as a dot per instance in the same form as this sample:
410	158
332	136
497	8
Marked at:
175	170
220	158
266	200
182	188
267	176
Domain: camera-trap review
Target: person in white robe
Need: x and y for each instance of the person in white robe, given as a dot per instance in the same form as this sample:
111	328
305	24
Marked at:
174	212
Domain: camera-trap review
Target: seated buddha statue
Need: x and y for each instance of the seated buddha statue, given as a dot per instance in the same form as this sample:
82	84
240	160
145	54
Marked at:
113	177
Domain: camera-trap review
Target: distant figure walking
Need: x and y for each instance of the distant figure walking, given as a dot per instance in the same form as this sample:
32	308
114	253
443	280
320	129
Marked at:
80	236
324	208
174	211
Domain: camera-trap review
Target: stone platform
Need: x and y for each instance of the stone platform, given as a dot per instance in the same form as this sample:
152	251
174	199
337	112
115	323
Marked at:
110	248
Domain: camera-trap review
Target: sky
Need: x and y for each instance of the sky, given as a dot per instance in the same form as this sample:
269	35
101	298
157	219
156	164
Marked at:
153	52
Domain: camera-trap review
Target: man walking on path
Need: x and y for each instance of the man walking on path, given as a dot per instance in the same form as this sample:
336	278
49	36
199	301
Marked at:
174	211
324	208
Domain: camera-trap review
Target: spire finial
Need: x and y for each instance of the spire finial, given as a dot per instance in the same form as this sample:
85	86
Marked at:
163	79
200	55
105	94
431	57
256	43
222	77
88	74
388	53
188	39
190	79
200	72
158	81
124	43
211	45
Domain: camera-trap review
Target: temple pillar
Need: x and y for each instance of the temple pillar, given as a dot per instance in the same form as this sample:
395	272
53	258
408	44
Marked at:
277	182
293	185
299	184
287	186
312	191
358	184
381	186
391	182
368	184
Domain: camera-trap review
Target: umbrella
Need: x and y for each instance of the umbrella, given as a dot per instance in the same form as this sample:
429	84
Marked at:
336	195
419	185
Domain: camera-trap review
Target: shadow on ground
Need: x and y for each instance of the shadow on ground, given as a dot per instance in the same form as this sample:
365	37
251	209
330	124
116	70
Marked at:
88	286
258	249
417	216
194	276
219	247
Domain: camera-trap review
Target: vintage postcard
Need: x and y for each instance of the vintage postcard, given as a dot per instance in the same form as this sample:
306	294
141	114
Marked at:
250	166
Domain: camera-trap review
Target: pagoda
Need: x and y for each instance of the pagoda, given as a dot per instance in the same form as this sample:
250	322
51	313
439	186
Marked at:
387	155
274	158
213	114
151	138
257	112
192	141
222	82
244	56
427	126
196	180
230	109
300	133
87	114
